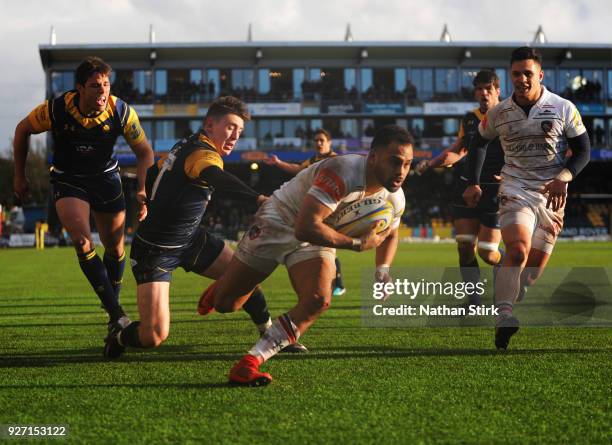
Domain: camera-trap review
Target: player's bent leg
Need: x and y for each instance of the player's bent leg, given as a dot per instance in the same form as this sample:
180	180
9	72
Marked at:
236	285
466	230
536	263
154	309
73	214
111	228
154	325
311	279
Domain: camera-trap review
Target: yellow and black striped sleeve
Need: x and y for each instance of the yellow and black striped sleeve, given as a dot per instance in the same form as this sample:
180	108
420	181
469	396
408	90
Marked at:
200	160
132	130
39	118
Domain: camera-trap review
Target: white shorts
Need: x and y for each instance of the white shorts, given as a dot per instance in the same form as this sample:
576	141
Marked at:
528	208
270	241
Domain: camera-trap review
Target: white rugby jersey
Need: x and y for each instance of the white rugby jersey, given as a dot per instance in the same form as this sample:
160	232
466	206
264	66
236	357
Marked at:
335	182
535	146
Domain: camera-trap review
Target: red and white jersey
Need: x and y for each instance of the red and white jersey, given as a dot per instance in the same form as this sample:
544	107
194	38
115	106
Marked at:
535	145
335	182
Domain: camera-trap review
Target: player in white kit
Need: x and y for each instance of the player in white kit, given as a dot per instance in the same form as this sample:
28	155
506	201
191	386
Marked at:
545	146
294	228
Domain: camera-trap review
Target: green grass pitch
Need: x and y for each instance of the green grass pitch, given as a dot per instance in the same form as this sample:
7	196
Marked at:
358	384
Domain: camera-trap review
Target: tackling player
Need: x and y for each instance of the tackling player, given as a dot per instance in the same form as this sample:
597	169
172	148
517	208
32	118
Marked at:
85	124
535	128
481	222
323	147
179	188
292	228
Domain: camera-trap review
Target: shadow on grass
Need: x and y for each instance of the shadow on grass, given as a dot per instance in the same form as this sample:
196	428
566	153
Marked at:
186	354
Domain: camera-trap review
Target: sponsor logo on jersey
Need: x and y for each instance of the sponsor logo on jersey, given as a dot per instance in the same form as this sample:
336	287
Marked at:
546	126
329	182
254	232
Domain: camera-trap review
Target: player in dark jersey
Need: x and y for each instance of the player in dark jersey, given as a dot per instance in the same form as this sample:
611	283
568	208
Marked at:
85	124
179	187
323	147
482	222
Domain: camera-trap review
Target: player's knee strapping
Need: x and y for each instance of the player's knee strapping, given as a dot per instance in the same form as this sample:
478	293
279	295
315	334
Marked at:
96	274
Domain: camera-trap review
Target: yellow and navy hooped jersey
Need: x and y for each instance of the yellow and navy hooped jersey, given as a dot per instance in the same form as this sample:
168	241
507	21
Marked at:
84	145
494	160
316	158
177	195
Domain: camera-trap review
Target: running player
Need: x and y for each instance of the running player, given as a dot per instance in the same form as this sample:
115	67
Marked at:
293	228
85	124
481	222
323	148
535	128
179	187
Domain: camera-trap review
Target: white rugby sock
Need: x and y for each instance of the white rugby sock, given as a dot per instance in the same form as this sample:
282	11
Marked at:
282	333
507	286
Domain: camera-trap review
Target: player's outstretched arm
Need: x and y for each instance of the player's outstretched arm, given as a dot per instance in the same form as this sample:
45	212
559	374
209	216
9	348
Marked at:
310	227
448	157
289	167
21	145
229	185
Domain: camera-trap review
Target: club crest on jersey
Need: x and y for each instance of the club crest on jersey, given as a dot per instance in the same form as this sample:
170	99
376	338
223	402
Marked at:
106	128
546	126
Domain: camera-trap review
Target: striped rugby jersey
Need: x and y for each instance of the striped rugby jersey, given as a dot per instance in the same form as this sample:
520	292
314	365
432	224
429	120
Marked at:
535	146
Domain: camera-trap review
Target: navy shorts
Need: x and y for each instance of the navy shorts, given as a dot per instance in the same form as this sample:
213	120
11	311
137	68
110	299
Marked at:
487	210
103	192
151	263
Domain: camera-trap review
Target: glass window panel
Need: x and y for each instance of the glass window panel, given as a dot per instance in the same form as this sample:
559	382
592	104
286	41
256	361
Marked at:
400	79
161	82
366	79
298	80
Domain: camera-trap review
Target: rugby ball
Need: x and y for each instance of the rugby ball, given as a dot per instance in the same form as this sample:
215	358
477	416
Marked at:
357	218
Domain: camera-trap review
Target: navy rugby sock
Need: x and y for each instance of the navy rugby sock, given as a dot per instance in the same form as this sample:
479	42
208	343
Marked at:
114	268
470	273
257	308
339	283
96	274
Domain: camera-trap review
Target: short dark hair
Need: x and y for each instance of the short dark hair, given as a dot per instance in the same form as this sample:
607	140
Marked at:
323	132
526	53
90	66
228	105
391	133
485	77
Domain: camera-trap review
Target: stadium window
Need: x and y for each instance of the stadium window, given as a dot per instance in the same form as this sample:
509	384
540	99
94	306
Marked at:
298	80
313	125
147	127
161	83
446	83
399	80
242	79
268	129
263	84
142	82
294	128
213	83
348	128
504	87
225	82
450	126
609	84
61	81
421	80
164	135
350	79
598	135
467	83
550	79
383	84
592	83
569	81
366	80
249	130
280	83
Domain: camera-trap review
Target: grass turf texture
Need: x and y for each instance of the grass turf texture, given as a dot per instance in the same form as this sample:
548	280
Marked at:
358	384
